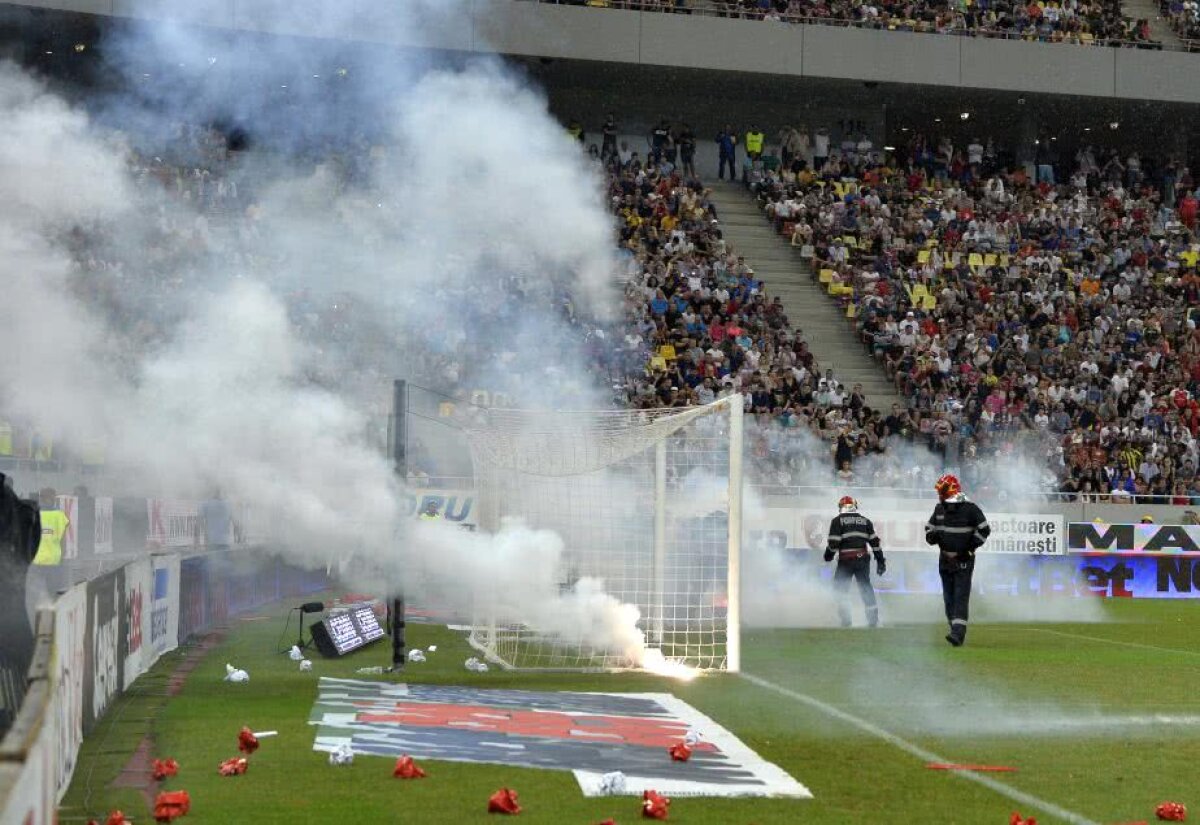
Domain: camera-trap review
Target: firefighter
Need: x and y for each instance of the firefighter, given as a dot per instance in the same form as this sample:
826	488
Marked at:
851	538
958	528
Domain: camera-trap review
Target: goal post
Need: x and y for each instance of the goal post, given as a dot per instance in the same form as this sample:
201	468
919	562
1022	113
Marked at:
647	504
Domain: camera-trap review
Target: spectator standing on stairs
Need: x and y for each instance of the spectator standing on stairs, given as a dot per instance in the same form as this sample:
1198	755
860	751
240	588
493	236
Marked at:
727	152
820	149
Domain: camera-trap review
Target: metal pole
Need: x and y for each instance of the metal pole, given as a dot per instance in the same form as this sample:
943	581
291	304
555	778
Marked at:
660	539
733	615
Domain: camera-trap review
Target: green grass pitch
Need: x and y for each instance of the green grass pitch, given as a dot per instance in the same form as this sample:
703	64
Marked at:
1101	720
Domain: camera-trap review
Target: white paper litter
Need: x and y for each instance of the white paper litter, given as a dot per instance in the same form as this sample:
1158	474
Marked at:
305	665
476	666
692	738
233	674
341	755
613	783
432	648
294	654
416	655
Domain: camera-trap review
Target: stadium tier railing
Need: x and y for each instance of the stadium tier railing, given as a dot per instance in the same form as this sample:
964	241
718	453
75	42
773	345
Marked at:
809	20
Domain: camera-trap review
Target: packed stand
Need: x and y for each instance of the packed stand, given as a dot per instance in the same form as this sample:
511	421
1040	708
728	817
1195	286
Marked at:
1094	22
700	326
1018	315
1184	16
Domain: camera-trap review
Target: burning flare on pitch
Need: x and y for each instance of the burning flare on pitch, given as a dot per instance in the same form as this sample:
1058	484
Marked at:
653	661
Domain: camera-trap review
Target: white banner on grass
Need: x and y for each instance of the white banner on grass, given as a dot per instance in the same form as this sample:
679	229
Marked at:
1038	534
135	623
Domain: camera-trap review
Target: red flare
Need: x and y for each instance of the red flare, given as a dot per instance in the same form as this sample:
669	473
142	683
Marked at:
247	741
406	768
503	801
116	818
1016	819
680	752
233	767
171	804
164	768
1171	811
654	805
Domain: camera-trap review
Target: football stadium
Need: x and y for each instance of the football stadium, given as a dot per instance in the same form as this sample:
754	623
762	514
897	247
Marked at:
597	411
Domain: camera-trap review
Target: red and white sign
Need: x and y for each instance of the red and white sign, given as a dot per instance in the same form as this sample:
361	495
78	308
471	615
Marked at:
173	523
104	526
70	542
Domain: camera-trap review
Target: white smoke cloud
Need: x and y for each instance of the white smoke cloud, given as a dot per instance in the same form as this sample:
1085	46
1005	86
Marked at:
472	185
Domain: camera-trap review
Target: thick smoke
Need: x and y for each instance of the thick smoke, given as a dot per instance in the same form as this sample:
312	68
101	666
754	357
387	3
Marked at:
782	590
397	220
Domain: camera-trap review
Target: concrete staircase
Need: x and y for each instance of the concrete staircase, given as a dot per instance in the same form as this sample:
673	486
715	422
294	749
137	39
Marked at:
831	337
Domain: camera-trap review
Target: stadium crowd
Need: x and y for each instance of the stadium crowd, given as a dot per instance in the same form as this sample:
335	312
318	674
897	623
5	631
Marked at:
1013	312
1085	22
1016	315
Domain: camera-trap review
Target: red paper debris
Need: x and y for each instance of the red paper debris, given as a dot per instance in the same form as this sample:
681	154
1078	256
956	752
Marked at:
1171	811
680	752
949	766
406	768
116	818
164	768
171	804
608	822
654	805
1016	819
247	741
233	767
503	801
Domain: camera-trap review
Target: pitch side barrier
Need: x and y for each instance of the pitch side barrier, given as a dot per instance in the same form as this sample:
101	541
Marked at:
103	632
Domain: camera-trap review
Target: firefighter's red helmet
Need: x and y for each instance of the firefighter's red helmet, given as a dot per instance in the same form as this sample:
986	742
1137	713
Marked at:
847	504
947	486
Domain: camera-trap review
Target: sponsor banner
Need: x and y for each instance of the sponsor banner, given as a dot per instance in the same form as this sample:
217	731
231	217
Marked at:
103	659
589	734
456	506
32	799
70	542
103	527
70	649
1094	537
173	523
135	652
807	528
164	605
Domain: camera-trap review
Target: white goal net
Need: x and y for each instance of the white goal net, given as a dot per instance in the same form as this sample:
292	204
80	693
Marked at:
648	502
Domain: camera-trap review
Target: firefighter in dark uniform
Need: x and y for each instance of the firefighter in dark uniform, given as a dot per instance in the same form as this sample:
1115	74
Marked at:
959	528
852	538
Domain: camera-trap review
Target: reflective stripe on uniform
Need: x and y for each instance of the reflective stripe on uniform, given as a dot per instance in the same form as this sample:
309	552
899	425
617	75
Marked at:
957	530
857	535
962	622
983	525
835	539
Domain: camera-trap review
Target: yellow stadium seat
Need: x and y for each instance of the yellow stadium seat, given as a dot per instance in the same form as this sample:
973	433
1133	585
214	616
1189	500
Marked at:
667	351
1189	257
975	260
923	256
990	259
918	291
826	276
930	302
657	363
851	310
850	240
1003	260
